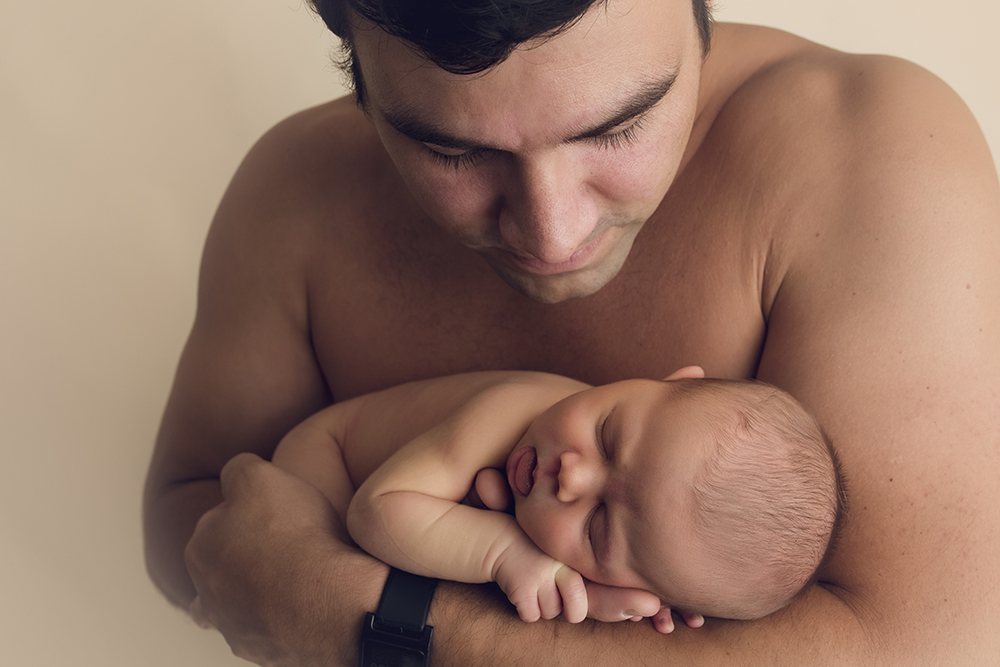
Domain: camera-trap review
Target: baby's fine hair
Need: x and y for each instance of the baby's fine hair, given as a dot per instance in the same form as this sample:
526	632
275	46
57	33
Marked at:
770	498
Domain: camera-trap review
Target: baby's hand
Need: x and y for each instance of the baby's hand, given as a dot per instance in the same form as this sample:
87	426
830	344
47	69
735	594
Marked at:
663	621
542	587
490	491
611	603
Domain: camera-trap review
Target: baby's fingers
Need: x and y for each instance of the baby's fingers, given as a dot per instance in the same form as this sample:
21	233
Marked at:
663	621
527	609
610	603
573	593
693	619
549	601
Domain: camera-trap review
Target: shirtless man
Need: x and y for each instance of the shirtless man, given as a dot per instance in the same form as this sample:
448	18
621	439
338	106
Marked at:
605	204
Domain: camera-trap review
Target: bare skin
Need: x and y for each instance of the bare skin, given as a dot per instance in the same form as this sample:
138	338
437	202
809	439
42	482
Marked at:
833	228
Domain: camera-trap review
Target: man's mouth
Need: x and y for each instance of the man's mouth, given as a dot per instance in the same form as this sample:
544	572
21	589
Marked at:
580	259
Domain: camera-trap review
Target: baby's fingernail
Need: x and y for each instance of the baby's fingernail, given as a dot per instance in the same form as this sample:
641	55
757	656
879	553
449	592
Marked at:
629	613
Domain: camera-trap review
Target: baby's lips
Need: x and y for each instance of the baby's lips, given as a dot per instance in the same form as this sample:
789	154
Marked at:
521	477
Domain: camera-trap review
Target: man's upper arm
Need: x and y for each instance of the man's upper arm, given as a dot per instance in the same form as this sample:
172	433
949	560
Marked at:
247	374
886	324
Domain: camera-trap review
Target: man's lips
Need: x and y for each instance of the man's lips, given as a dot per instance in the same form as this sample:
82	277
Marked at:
521	475
579	259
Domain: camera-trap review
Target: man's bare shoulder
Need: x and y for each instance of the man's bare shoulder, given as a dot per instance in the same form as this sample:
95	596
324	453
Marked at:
818	143
314	156
295	198
799	102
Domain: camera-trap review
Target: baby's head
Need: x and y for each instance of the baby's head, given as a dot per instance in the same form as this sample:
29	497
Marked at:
767	500
719	496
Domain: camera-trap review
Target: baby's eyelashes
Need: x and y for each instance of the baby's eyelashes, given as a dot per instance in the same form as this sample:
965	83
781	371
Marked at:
603	441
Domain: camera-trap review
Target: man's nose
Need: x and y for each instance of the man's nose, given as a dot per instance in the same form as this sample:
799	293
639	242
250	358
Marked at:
577	477
548	210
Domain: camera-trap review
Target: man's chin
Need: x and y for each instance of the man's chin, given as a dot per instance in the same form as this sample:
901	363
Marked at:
556	288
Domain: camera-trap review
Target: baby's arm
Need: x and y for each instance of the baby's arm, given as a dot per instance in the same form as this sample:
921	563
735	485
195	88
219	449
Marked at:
339	447
408	514
609	604
312	451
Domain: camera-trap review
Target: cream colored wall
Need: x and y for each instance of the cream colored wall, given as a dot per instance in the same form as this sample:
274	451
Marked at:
120	124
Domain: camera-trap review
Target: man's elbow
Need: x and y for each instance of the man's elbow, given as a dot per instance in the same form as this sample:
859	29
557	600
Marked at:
170	513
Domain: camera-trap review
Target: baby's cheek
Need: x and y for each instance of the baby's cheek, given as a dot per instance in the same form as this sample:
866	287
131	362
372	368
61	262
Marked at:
547	530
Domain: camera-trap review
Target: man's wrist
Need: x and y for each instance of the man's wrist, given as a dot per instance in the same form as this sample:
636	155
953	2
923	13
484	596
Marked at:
476	624
353	584
397	634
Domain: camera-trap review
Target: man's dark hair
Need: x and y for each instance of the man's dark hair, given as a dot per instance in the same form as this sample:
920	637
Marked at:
464	36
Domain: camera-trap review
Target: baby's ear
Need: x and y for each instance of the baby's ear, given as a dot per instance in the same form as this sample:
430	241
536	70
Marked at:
686	373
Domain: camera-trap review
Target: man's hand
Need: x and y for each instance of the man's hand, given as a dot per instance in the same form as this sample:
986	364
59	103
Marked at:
273	542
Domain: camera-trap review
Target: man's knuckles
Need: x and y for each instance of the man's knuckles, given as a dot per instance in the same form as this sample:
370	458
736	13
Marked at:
241	474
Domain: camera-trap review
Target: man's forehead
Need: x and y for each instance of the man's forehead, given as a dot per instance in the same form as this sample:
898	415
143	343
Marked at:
576	79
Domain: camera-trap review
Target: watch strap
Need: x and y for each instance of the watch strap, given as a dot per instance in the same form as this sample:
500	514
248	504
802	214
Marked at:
405	601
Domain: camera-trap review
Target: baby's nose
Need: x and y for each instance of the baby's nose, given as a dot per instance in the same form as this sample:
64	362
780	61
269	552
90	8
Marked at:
575	477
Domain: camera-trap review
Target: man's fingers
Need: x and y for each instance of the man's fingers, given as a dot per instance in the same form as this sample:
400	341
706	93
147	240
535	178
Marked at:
237	471
203	541
197	613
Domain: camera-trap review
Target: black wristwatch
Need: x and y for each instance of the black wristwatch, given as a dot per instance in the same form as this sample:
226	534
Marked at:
397	634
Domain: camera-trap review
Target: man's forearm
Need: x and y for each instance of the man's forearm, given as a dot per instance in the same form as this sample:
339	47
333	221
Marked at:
316	613
474	625
314	616
169	520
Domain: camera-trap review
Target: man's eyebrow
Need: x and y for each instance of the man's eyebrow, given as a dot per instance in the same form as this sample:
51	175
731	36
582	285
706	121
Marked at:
420	130
425	132
647	97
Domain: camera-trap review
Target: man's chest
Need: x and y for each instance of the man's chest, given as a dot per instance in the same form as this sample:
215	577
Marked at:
684	308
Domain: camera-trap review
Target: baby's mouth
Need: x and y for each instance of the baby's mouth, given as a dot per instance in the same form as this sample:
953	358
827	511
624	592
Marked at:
522	477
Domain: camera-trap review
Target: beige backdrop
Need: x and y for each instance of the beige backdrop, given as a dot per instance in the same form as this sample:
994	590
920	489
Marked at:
120	125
